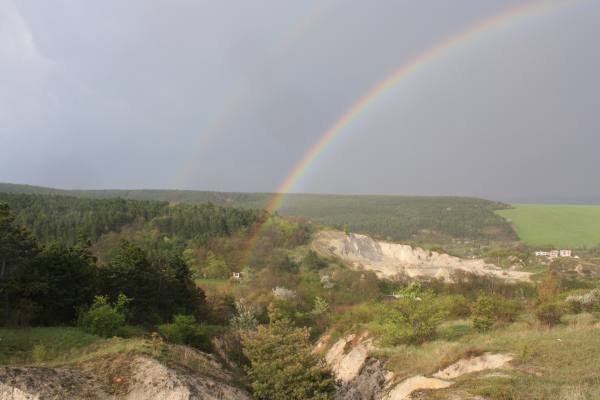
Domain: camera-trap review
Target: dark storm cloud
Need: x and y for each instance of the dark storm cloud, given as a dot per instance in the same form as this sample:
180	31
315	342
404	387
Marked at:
139	94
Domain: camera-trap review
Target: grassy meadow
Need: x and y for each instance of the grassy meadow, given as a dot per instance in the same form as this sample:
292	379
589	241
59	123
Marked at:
548	362
572	226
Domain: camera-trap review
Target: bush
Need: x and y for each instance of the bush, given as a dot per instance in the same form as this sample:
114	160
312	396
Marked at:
506	310
483	313
408	321
215	267
185	330
589	301
489	309
456	306
39	352
549	313
549	288
104	319
283	365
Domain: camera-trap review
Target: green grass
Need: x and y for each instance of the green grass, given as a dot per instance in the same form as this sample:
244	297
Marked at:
547	362
17	345
62	345
57	346
572	226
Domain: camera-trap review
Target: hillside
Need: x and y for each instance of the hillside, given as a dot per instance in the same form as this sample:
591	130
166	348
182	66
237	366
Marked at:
77	365
390	260
66	218
545	225
159	307
416	218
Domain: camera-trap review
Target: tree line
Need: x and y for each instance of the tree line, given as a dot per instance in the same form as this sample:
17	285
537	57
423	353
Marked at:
67	218
48	284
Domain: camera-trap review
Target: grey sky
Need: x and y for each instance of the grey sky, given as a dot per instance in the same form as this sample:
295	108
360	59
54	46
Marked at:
229	95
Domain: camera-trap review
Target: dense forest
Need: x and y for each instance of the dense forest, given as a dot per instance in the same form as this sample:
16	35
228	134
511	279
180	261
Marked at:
51	284
68	218
415	218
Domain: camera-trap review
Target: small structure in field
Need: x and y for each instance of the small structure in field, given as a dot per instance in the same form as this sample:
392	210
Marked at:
554	253
236	275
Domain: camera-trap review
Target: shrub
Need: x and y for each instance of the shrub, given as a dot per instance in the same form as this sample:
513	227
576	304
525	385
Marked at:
549	313
506	310
589	301
456	306
39	352
483	313
104	319
408	321
283	366
185	330
313	261
215	267
245	316
549	288
489	309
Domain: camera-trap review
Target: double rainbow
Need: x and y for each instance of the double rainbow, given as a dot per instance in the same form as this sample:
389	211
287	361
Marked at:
511	14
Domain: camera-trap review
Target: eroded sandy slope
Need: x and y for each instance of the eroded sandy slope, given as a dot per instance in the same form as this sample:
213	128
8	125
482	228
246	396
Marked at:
391	259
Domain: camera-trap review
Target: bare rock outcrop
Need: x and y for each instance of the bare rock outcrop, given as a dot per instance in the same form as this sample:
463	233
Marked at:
388	259
36	383
363	377
484	362
348	356
146	378
403	390
153	380
368	384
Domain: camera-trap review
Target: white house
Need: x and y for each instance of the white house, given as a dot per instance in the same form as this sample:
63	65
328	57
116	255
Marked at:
554	253
565	253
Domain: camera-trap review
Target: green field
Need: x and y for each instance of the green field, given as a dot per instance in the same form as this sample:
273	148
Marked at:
556	225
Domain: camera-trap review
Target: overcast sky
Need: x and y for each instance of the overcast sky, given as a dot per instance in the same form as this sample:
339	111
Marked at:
229	95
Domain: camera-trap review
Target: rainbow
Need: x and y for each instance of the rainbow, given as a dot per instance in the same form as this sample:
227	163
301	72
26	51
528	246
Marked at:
407	69
234	99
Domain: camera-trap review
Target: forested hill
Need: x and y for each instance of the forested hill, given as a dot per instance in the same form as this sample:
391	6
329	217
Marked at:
67	218
417	218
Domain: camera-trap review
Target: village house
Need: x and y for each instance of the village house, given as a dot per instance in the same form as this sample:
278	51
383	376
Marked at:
565	253
554	253
236	275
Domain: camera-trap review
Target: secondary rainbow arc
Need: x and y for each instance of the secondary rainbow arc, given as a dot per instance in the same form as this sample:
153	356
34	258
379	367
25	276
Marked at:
407	69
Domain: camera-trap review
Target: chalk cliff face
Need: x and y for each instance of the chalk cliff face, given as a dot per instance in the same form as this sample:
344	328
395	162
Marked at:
391	259
363	377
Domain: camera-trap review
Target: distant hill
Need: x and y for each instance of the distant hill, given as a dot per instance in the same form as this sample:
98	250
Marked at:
419	218
65	218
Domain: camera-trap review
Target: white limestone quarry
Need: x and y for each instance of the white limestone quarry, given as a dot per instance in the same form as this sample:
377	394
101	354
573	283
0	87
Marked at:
389	260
